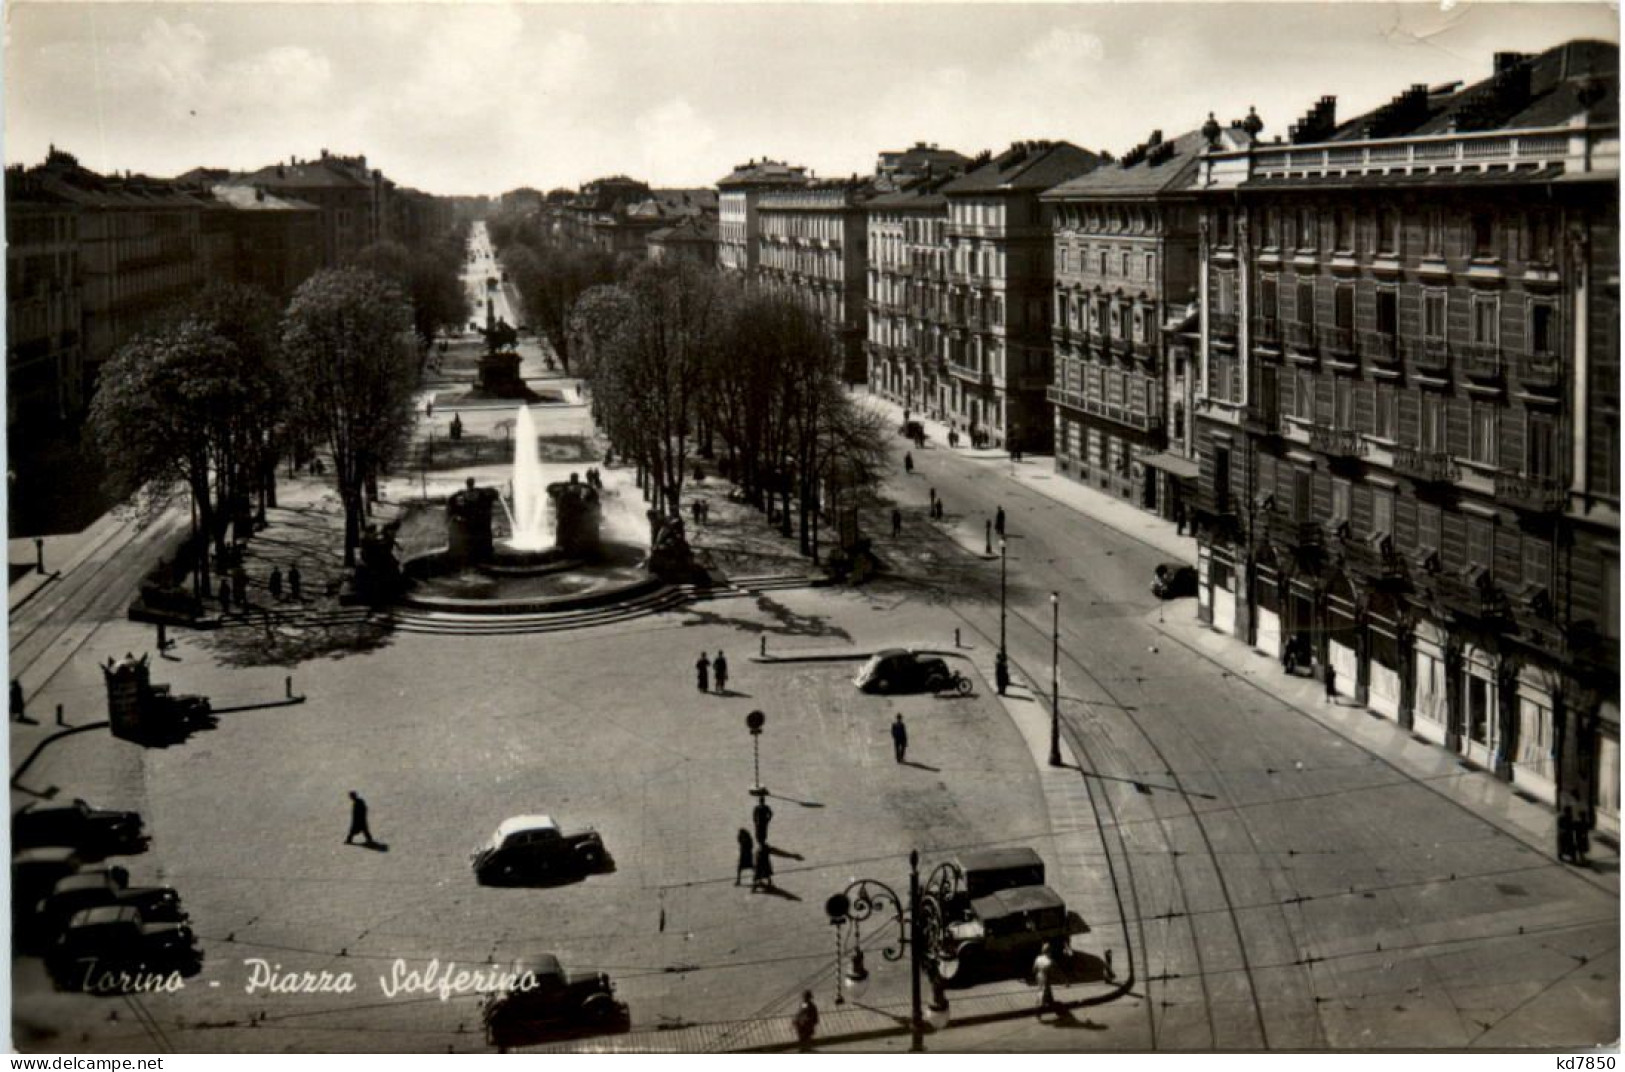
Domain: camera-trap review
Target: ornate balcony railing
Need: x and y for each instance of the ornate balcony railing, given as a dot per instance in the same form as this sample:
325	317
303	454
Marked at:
1336	343
1428	466
1122	414
1481	361
1336	442
1379	347
1541	372
1429	357
1532	494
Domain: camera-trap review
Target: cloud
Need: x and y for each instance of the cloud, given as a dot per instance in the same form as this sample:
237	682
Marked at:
1064	46
671	133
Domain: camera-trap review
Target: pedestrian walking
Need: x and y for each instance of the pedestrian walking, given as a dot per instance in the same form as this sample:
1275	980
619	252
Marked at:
998	521
1179	519
899	738
702	672
896	523
225	596
933	496
719	665
908	462
274	583
1565	836
805	1021
1331	683
762	877
747	855
358	820
1001	672
1044	976
19	712
761	815
295	582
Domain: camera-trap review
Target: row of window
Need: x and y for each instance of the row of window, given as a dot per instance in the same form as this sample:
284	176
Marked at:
1112	317
1484	313
804	225
1108	263
1531	236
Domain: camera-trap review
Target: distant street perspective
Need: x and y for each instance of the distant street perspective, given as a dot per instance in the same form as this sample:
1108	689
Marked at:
1036	599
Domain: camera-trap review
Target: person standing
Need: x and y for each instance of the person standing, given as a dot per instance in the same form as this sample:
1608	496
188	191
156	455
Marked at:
747	855
1565	836
762	877
1001	672
761	815
805	1021
274	583
998	521
908	462
358	820
295	583
1044	976
720	666
896	523
899	738
702	673
19	712
1331	683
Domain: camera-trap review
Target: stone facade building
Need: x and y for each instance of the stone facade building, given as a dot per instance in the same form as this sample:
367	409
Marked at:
813	242
1125	267
907	342
738	229
1001	291
46	383
1408	420
271	242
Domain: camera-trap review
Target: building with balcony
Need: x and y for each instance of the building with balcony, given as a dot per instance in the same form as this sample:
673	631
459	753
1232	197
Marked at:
738	228
351	199
1001	283
1125	274
1408	415
45	369
260	239
908	295
813	242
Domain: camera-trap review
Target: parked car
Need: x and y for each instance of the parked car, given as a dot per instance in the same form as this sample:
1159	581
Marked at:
1173	580
1001	914
34	874
548	1002
95	889
900	670
530	848
101	943
95	832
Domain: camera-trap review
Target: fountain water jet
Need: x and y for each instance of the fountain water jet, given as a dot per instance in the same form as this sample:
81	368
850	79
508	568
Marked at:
528	512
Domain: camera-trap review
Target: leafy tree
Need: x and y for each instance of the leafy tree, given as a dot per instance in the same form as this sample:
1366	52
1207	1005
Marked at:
430	276
349	359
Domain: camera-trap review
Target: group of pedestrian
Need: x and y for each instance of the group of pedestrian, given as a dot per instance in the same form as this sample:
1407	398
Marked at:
701	509
936	506
705	669
1573	837
754	854
594	481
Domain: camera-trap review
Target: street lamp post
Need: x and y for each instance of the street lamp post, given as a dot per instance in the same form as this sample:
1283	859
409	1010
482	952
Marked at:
754	722
1004	570
919	925
1055	681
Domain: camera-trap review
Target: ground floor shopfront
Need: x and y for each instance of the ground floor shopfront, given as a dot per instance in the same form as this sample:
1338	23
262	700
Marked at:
1123	461
900	377
1492	695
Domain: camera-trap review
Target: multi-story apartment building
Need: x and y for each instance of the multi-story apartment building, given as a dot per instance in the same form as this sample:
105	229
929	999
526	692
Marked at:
813	242
908	295
1001	290
737	196
45	379
901	166
1125	268
271	242
1408	421
691	240
347	195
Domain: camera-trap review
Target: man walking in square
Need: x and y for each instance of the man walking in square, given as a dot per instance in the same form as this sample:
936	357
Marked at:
719	666
899	738
358	820
761	815
747	855
702	672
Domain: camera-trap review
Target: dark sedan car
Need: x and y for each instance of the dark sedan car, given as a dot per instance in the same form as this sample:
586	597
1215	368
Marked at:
895	670
1173	580
548	1002
532	848
95	832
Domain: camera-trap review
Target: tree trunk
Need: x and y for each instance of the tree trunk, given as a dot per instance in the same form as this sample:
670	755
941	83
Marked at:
352	528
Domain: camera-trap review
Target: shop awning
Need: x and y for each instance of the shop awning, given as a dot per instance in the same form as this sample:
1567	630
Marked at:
1172	464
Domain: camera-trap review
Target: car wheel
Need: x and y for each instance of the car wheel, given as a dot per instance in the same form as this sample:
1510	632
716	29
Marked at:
963	685
589	857
599	1008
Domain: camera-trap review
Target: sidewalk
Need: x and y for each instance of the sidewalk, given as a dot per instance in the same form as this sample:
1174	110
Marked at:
1497	802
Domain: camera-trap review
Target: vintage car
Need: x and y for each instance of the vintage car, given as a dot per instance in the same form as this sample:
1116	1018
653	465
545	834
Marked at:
110	949
1172	580
894	670
532	848
34	874
95	832
547	1002
1001	915
101	887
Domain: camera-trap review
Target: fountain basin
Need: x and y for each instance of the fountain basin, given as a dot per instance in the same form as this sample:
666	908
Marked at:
527	582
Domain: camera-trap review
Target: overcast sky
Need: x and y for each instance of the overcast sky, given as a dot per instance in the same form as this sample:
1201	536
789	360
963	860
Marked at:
483	98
